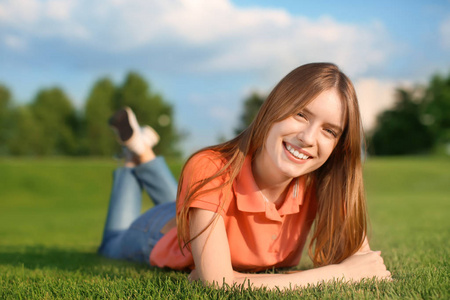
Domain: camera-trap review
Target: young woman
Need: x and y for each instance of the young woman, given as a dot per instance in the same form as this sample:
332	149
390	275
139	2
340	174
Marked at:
248	204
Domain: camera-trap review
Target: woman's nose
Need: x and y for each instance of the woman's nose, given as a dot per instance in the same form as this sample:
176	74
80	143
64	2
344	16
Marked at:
307	136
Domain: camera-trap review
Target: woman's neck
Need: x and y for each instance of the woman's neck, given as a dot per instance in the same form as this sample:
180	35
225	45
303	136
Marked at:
272	186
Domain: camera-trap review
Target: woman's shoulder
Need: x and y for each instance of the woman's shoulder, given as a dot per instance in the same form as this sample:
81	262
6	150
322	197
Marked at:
205	168
206	159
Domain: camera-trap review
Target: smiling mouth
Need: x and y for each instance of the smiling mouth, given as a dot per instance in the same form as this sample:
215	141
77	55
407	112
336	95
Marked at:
295	153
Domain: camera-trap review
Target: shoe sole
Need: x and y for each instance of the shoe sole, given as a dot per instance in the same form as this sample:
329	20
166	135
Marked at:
119	121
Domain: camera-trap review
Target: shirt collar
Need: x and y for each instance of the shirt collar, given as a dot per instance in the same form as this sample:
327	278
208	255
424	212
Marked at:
250	199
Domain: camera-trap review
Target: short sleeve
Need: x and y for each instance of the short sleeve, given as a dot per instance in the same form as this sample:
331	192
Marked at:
200	167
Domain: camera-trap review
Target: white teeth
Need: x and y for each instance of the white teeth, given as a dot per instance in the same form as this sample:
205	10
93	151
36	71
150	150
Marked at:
296	153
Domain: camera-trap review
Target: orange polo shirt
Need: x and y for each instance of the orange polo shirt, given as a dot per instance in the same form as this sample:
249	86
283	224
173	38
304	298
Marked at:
260	235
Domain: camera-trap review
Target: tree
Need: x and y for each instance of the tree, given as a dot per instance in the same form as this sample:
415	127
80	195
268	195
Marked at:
53	111
28	136
399	130
5	100
151	109
251	108
437	109
99	107
5	117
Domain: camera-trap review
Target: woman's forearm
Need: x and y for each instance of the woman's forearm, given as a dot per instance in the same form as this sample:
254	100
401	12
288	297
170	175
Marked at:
354	268
290	281
212	259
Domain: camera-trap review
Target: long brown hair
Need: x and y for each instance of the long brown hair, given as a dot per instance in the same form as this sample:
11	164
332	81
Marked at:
340	225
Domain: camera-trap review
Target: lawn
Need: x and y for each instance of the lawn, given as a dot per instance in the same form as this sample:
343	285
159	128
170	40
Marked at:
52	212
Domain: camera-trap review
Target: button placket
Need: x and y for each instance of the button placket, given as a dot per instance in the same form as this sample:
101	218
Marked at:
275	245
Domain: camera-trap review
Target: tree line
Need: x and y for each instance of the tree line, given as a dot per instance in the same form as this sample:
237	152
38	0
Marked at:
418	123
50	124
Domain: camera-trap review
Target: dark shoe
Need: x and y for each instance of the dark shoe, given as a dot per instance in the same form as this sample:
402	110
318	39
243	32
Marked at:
127	130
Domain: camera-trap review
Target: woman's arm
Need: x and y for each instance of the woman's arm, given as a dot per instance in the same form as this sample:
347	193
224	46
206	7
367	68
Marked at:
212	259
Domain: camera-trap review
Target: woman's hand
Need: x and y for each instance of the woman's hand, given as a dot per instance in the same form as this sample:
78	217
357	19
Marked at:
364	265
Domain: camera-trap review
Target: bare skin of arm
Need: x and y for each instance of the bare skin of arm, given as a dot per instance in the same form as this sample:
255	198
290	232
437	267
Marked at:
212	259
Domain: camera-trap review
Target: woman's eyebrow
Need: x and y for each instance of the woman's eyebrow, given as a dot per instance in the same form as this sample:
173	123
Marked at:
335	127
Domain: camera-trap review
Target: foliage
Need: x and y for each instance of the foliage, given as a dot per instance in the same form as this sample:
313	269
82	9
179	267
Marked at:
45	127
50	125
150	109
53	212
437	108
98	109
55	114
251	107
5	117
399	130
26	138
418	123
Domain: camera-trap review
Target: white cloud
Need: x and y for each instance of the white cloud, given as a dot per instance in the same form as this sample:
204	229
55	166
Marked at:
199	35
445	33
374	97
16	12
15	42
300	40
44	19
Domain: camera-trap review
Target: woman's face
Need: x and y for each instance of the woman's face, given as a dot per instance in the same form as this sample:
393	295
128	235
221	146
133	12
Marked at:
302	143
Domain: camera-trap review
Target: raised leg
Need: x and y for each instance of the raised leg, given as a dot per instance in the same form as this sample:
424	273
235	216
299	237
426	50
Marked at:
128	235
157	180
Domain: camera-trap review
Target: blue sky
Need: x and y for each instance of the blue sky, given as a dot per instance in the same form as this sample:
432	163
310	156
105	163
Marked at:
206	56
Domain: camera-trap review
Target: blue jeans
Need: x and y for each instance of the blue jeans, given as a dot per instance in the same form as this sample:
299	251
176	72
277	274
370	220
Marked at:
128	234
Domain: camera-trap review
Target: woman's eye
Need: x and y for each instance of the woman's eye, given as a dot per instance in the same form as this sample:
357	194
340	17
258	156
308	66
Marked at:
302	115
332	132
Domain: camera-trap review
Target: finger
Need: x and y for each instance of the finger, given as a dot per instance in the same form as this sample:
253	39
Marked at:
387	275
382	276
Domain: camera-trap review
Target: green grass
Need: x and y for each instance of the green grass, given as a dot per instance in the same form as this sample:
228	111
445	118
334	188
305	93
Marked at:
52	212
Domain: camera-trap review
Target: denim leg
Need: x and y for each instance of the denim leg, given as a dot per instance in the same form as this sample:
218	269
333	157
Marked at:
137	242
157	180
124	209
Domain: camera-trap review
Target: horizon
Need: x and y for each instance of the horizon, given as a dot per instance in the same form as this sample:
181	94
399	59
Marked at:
205	57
